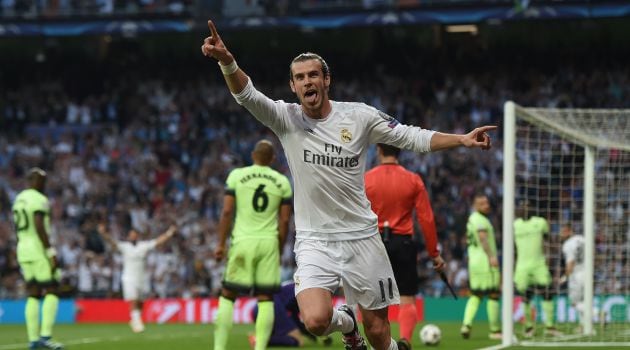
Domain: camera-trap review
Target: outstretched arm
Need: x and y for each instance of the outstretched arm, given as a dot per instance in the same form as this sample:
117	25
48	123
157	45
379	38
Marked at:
386	129
476	138
166	235
103	232
214	47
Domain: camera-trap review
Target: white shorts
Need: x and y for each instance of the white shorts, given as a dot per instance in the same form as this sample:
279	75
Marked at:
576	287
361	265
133	289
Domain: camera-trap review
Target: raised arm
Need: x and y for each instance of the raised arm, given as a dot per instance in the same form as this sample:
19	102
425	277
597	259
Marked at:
271	113
166	235
106	236
214	47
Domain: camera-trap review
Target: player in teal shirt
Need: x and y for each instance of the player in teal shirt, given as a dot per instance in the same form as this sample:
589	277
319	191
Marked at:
37	259
260	199
483	268
531	275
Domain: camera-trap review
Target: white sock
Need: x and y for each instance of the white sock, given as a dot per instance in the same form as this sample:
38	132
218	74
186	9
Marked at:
579	307
136	316
340	321
392	344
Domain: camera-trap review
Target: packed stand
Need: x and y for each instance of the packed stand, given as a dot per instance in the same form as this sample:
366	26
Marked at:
159	149
52	9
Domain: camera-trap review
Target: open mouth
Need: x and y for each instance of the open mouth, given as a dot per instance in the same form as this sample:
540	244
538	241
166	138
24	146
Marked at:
310	96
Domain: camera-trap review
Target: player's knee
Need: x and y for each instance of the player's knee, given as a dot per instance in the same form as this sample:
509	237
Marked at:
317	324
524	295
228	294
264	297
33	291
529	295
35	295
53	293
52	290
478	294
549	295
494	296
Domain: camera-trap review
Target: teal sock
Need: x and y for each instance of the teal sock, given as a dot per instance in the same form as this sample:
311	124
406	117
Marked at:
223	323
527	308
31	314
547	306
472	305
264	324
49	313
493	315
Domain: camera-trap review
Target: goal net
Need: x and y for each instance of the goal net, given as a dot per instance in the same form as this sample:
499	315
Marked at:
570	167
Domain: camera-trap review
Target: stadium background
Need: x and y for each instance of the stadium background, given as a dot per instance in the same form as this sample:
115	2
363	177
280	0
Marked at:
114	99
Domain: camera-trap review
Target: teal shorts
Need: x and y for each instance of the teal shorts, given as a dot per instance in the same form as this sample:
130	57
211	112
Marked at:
253	266
485	281
531	276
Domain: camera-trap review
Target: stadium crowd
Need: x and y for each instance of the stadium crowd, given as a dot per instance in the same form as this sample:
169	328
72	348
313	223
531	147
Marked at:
159	149
64	8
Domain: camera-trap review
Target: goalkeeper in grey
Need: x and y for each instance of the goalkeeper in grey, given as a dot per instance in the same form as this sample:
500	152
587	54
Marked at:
337	238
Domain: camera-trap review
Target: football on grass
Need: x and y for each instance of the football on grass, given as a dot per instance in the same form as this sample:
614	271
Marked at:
430	335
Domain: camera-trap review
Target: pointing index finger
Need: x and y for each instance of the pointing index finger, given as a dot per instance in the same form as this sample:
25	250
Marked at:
213	29
487	128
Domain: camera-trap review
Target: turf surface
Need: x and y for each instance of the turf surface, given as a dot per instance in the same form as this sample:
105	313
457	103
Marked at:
195	336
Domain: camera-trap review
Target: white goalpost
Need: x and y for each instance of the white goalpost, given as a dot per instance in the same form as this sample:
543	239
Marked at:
572	168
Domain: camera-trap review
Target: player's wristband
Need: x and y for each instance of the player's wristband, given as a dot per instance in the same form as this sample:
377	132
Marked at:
230	68
50	252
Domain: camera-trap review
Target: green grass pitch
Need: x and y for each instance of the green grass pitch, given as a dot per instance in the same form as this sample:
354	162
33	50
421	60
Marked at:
195	336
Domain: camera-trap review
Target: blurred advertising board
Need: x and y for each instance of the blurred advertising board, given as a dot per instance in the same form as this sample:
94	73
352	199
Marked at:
177	310
12	311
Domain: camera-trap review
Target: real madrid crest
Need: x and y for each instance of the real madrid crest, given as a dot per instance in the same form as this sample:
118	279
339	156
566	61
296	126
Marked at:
346	136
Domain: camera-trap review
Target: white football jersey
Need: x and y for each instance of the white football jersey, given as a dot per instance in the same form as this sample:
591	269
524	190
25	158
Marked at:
573	250
327	159
134	258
